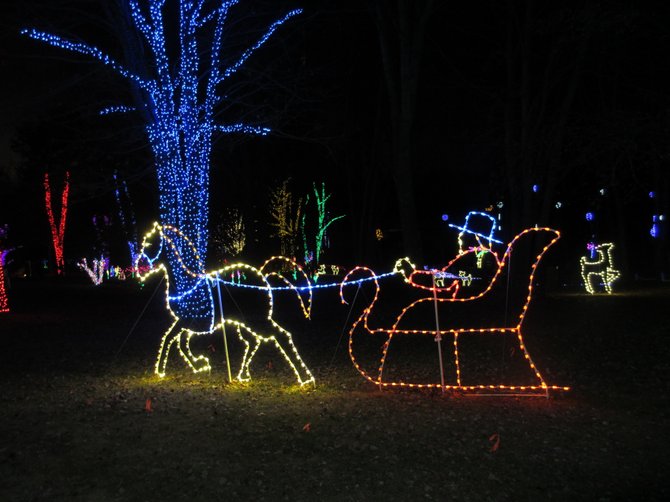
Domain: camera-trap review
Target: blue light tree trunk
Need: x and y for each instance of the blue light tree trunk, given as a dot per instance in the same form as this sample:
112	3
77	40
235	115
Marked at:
181	97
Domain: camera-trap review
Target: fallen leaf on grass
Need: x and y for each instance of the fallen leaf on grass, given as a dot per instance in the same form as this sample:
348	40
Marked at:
496	442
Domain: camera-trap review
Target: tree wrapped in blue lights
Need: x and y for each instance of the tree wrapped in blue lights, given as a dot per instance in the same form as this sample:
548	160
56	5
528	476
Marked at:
181	95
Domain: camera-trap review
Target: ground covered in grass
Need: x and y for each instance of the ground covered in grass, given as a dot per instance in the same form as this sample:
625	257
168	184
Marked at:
82	417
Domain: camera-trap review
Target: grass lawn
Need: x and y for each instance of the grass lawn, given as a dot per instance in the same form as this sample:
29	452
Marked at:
82	417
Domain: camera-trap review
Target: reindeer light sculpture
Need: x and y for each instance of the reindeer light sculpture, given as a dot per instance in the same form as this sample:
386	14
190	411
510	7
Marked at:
602	267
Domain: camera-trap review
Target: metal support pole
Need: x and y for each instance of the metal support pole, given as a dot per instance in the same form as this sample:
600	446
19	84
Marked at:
438	337
223	328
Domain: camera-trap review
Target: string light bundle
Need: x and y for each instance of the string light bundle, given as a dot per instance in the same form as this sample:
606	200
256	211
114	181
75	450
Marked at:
511	325
181	97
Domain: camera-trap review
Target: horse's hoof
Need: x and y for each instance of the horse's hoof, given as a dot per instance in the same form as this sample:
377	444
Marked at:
201	365
311	381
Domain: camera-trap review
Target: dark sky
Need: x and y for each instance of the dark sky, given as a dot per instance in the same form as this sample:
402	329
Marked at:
323	92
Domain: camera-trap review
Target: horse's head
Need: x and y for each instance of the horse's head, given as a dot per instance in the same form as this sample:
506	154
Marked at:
404	267
146	262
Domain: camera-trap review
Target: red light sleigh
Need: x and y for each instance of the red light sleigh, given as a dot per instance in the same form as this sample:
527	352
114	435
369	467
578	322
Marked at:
494	314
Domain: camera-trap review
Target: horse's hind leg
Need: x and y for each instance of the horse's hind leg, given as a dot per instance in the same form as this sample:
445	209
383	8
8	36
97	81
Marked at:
169	338
291	355
249	352
197	363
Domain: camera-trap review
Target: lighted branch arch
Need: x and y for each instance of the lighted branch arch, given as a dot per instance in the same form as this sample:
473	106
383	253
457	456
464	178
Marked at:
181	98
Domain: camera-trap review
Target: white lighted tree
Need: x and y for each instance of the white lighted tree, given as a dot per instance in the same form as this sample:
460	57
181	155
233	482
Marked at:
285	218
230	236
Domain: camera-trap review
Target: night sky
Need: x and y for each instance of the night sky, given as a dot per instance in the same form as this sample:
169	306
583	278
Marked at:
571	95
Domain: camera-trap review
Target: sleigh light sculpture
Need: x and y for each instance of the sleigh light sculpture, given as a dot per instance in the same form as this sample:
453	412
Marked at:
498	310
238	280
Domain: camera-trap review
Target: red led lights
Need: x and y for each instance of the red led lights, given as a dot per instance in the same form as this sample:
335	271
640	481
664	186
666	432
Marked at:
57	232
488	312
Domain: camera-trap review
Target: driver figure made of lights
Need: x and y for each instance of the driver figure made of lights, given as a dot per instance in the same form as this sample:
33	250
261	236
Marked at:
471	271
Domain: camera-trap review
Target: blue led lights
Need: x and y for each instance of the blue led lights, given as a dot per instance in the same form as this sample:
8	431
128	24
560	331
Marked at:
181	97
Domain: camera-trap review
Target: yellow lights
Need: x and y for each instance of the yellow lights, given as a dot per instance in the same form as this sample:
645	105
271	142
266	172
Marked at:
510	323
599	266
256	284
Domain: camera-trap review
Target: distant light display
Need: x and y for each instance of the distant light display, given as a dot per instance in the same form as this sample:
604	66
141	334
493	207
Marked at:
512	326
322	224
285	215
535	188
128	222
589	216
57	229
96	272
599	267
445	217
4	301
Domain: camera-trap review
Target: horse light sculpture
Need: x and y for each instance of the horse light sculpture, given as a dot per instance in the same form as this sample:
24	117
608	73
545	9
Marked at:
471	316
251	332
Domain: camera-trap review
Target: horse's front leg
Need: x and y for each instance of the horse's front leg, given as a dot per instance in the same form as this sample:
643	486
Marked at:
197	363
169	338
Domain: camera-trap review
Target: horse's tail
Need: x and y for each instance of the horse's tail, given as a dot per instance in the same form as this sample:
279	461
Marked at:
281	267
363	348
350	281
